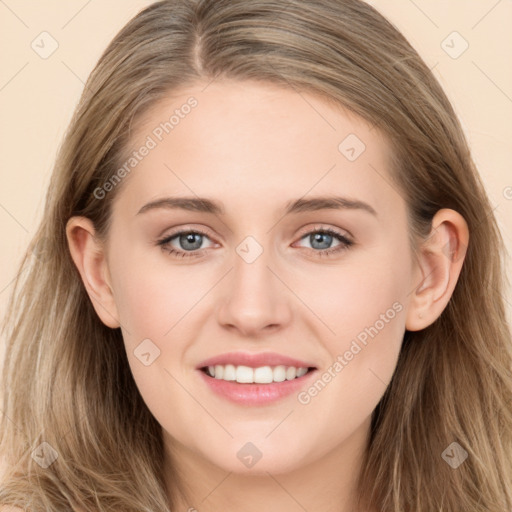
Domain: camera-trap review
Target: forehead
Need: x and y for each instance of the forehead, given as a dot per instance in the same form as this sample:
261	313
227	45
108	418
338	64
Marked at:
261	141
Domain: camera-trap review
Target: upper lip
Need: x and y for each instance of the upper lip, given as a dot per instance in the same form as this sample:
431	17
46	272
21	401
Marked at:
254	360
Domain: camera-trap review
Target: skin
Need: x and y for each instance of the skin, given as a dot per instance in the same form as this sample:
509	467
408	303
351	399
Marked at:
254	147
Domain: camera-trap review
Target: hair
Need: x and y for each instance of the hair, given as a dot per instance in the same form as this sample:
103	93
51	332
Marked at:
67	374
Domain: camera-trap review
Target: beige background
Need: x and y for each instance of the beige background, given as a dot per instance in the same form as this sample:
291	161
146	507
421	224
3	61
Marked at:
38	95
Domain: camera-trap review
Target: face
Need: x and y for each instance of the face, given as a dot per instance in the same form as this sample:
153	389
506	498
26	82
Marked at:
297	257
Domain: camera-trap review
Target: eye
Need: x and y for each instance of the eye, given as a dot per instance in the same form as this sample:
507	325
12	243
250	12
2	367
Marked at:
188	240
322	239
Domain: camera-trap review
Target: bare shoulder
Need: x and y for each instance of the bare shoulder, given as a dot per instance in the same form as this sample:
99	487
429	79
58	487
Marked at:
10	508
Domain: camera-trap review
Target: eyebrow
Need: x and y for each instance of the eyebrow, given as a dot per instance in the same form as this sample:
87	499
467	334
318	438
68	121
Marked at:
205	205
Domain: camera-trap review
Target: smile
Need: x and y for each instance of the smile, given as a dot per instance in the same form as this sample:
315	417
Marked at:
256	386
261	375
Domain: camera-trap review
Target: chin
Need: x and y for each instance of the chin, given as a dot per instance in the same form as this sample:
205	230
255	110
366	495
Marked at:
256	458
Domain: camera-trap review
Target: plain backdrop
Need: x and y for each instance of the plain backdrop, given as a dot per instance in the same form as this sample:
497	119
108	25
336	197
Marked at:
467	44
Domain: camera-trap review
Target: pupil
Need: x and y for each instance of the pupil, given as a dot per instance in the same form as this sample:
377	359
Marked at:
189	238
318	238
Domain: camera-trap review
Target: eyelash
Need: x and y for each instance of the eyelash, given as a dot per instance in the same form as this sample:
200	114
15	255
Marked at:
164	243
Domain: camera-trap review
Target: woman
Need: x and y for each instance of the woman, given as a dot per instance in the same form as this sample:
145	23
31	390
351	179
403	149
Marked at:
367	370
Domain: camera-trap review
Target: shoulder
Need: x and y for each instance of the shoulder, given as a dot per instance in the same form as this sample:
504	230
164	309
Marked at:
10	508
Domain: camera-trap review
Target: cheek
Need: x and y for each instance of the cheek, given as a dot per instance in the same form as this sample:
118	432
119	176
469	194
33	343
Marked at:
364	305
152	294
156	305
146	305
160	305
370	287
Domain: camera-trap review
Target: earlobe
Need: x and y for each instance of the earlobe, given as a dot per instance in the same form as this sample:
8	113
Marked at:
89	257
440	261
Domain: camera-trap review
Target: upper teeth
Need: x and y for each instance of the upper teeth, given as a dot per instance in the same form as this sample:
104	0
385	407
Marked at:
260	375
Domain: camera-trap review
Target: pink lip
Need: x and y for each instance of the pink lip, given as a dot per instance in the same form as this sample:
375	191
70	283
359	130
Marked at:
256	394
254	360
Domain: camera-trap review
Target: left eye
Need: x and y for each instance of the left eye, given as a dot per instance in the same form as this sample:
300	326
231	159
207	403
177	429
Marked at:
323	238
190	242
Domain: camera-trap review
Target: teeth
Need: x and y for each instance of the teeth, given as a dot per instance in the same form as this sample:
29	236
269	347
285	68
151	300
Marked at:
301	372
260	375
291	373
279	373
229	372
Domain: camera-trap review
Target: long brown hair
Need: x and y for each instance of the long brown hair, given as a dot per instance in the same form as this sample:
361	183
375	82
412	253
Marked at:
66	377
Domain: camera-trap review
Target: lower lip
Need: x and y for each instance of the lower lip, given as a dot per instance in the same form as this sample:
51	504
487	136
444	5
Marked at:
255	394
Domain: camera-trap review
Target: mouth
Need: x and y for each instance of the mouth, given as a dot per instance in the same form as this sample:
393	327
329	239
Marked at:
242	374
255	386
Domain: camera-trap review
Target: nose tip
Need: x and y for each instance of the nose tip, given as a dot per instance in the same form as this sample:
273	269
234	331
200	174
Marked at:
254	298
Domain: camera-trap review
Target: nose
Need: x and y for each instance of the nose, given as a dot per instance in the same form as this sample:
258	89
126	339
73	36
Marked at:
256	301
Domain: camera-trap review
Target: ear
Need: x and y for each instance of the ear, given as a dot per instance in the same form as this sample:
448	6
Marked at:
440	259
90	259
